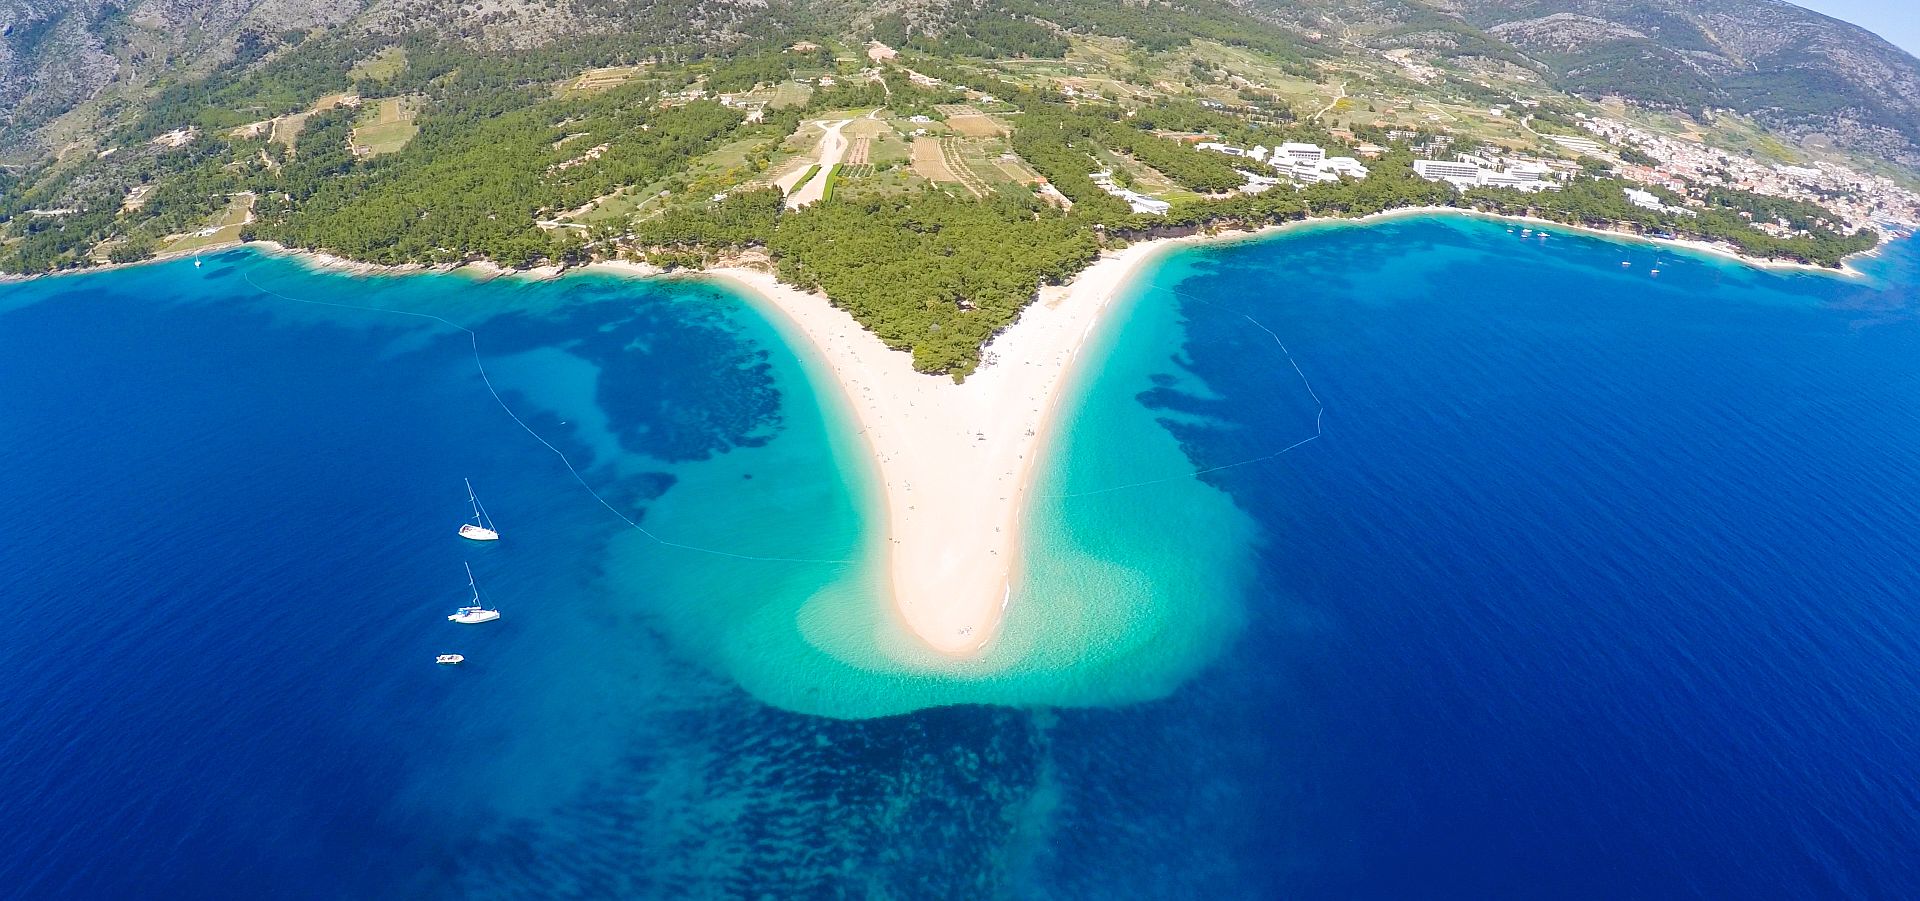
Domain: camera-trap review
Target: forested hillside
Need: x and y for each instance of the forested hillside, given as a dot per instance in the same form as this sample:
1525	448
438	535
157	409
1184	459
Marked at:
1797	70
928	166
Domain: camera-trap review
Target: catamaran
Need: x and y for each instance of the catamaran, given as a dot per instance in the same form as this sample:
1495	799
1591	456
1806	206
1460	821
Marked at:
475	531
474	612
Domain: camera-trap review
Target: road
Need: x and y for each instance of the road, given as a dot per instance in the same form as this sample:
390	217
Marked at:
833	146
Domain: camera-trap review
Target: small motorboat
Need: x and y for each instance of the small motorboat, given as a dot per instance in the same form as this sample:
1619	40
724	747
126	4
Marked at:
449	659
474	612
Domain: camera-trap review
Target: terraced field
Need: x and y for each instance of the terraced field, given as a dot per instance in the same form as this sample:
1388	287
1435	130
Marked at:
601	79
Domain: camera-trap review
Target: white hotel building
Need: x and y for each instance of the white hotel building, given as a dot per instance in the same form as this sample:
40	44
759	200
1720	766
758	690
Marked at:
1474	172
1301	162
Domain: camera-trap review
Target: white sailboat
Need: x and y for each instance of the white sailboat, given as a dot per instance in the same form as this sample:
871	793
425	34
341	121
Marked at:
449	659
476	531
474	612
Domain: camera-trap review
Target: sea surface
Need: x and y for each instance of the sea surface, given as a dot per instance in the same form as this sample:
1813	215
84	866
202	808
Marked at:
1416	559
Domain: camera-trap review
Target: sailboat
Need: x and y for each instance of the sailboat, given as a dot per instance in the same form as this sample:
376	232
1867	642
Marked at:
474	612
474	530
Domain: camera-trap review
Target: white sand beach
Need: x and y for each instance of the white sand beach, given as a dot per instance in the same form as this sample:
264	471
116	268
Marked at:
956	461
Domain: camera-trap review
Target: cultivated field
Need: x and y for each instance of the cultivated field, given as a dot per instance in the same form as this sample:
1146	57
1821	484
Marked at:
968	121
930	162
381	66
385	128
790	93
286	129
604	78
224	229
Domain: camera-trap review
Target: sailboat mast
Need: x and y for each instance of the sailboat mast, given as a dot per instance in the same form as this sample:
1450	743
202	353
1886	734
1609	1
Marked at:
480	517
471	584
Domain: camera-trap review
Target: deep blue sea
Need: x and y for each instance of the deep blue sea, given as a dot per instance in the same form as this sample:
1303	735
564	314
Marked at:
1595	584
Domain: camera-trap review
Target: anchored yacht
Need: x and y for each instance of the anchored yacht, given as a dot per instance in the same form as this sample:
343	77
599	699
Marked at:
474	612
481	529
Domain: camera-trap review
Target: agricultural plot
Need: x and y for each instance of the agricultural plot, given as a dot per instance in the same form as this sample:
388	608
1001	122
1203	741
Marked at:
1016	169
286	129
790	93
980	165
859	150
223	229
601	79
381	66
930	162
956	154
861	135
889	148
967	121
385	128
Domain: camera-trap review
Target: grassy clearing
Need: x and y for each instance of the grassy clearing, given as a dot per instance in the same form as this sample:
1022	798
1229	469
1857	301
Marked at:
621	206
790	93
381	66
225	228
286	129
386	127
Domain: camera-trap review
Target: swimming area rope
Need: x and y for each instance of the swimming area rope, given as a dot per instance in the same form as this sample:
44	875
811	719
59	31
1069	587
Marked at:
1319	415
473	341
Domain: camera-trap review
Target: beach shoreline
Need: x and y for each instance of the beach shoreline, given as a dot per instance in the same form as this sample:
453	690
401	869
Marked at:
487	269
955	462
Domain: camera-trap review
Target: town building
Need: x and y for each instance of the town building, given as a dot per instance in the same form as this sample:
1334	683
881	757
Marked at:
1139	203
1304	153
1470	171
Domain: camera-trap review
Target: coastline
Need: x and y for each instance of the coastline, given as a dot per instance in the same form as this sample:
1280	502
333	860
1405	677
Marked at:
1724	251
956	462
952	464
487	269
954	468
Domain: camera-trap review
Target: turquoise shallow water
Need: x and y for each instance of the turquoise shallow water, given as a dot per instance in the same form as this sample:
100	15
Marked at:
1594	585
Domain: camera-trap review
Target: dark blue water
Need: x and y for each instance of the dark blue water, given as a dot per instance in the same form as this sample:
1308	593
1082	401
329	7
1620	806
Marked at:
1597	585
